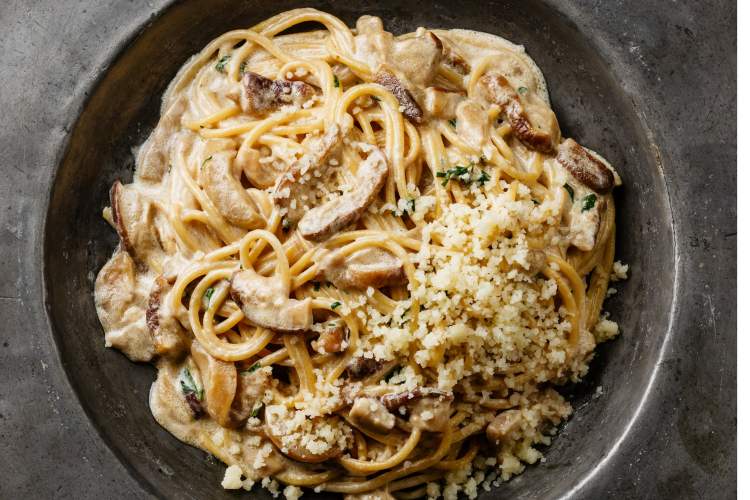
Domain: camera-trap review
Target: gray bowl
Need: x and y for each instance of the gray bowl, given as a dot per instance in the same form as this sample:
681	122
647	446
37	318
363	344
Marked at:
648	418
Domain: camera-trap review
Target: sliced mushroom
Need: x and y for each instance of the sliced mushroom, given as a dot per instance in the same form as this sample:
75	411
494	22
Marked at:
266	303
372	415
498	90
121	308
417	58
263	94
440	102
472	124
361	367
504	426
585	167
429	409
260	175
167	401
221	183
369	267
133	218
278	430
170	338
451	57
297	183
392	84
153	160
333	337
251	386
328	218
219	380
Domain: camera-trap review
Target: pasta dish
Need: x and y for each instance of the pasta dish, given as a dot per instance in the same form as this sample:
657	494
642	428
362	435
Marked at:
361	263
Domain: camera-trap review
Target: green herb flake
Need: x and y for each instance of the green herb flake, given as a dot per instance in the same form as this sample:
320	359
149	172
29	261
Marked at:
570	191
209	293
335	305
221	65
285	224
483	178
588	202
336	82
256	410
452	121
253	368
207	160
376	98
412	205
188	385
522	90
243	66
440	174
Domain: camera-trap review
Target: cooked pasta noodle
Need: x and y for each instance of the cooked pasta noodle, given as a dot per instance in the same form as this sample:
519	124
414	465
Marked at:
361	262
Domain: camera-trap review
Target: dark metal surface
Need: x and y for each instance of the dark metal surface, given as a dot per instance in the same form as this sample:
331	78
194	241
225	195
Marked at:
652	87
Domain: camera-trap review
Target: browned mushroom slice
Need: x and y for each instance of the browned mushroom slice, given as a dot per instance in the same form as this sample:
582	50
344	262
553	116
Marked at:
333	337
263	94
170	338
585	167
168	403
251	386
504	425
221	183
498	90
360	368
328	218
451	57
219	380
133	218
428	409
297	445
121	308
372	415
393	85
153	161
289	192
369	267
266	303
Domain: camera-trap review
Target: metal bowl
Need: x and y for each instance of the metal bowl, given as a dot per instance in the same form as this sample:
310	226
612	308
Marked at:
600	94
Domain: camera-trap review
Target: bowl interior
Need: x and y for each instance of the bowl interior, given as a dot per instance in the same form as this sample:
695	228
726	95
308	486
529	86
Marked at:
591	106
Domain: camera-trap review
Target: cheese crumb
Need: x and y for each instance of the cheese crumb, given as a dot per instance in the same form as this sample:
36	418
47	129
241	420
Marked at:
232	478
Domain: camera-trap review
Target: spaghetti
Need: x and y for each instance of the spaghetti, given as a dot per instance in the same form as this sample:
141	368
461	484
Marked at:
361	262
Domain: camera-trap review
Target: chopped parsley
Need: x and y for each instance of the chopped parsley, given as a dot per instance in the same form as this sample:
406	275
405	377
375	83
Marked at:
452	121
207	159
522	90
336	82
463	174
377	99
209	294
483	178
411	205
588	202
253	368
242	67
256	409
221	65
335	305
188	385
569	190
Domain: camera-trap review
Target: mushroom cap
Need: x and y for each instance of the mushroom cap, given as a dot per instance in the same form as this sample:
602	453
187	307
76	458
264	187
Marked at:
265	302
